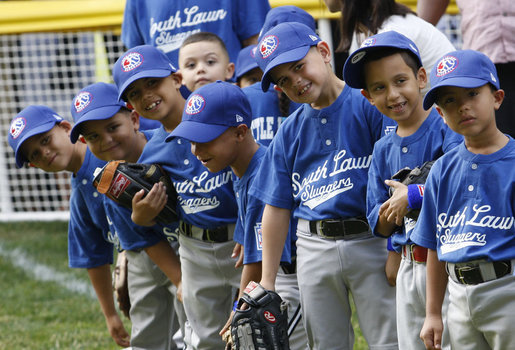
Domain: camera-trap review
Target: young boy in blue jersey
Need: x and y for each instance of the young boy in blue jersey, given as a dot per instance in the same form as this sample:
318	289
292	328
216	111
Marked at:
220	136
206	204
40	137
203	59
112	133
271	107
467	217
316	167
389	69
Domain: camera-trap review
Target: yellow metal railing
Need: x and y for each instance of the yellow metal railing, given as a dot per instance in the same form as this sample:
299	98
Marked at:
62	15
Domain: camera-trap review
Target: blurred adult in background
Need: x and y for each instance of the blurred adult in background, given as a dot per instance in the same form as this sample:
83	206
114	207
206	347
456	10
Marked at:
487	26
165	24
363	18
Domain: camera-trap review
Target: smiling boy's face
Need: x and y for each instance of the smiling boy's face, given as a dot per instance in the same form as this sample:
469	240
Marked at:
51	151
221	152
305	81
155	98
394	89
202	63
113	138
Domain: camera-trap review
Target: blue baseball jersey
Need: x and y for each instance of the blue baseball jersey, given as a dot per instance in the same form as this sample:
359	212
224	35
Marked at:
266	116
90	242
318	162
165	24
469	206
132	236
205	199
250	214
392	153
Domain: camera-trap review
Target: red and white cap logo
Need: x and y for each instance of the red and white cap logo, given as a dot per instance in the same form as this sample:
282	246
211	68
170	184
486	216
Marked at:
196	104
131	61
268	45
446	65
82	100
17	126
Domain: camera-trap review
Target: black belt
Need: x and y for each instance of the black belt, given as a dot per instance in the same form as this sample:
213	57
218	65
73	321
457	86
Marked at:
215	235
472	273
339	228
289	268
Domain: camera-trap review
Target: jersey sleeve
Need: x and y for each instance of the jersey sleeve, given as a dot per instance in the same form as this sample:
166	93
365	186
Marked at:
131	32
377	191
451	139
132	236
87	247
249	18
272	183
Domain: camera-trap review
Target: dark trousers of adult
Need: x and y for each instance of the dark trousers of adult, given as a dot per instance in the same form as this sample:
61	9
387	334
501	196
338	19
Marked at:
505	116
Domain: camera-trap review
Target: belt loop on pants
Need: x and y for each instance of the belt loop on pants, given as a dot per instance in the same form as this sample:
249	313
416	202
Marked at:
346	229
415	253
219	234
479	271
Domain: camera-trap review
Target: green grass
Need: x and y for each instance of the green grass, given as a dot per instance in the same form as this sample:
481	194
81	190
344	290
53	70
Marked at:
44	315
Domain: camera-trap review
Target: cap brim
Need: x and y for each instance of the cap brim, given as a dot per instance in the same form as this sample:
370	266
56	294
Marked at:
100	113
154	73
353	71
463	82
20	159
286	57
197	132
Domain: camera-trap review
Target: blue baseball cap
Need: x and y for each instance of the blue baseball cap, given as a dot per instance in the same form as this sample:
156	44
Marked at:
212	109
246	60
288	13
142	61
465	68
97	101
284	43
33	120
353	71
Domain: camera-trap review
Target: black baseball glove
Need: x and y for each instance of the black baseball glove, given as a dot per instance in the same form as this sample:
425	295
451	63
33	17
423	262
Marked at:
409	176
120	181
263	325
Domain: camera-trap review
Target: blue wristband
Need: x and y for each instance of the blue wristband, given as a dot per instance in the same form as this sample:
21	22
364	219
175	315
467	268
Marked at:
415	195
235	306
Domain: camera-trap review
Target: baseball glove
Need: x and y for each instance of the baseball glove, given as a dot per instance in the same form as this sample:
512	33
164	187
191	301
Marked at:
414	176
121	285
263	324
120	181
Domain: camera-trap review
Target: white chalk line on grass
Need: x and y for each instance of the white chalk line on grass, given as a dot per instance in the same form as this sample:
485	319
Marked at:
44	273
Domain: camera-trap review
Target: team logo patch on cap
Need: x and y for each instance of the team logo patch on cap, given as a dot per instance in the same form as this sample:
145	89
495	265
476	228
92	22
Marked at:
446	65
357	57
17	127
369	42
131	61
195	105
268	45
82	100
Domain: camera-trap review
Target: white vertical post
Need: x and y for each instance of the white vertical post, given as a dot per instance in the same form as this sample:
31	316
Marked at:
325	33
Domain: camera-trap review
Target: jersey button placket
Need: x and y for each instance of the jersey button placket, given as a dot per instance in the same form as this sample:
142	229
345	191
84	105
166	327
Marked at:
325	128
